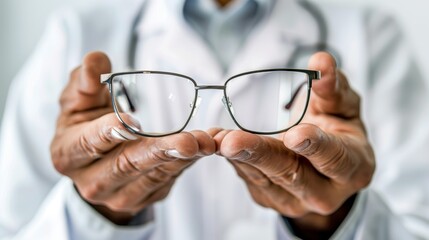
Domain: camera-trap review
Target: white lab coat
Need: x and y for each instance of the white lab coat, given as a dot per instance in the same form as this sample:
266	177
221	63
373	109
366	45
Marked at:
209	201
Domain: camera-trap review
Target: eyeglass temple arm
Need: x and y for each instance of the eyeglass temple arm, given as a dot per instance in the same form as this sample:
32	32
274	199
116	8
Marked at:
314	75
127	96
288	105
105	78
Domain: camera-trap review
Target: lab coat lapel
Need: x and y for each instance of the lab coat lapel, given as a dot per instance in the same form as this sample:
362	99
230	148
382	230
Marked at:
120	41
177	47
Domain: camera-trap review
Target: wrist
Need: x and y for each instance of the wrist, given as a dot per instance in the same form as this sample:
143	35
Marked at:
316	226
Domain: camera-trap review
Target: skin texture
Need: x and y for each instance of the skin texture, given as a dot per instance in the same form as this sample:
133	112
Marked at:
309	172
118	177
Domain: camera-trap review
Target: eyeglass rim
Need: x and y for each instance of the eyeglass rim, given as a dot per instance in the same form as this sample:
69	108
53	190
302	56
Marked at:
311	74
108	79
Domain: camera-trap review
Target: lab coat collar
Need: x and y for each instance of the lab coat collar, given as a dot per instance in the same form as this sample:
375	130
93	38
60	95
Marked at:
119	43
288	27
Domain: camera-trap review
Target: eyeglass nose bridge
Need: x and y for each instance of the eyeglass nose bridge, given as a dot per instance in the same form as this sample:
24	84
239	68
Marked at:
205	87
225	100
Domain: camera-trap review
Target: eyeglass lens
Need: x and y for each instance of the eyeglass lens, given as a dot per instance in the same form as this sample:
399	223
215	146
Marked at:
267	102
160	96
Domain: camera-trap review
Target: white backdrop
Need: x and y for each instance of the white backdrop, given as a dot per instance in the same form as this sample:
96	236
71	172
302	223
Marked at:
22	22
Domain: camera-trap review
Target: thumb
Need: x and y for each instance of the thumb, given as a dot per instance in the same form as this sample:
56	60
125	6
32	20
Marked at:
332	93
84	90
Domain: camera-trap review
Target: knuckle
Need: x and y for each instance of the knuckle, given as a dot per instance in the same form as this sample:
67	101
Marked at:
365	173
158	173
59	164
256	159
338	165
291	181
288	205
174	169
163	193
364	179
92	192
186	143
125	166
292	176
260	200
121	203
325	207
59	160
157	155
321	204
88	147
259	197
159	194
292	210
259	180
151	182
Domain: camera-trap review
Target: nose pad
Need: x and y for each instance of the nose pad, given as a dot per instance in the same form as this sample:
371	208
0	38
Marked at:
196	106
228	104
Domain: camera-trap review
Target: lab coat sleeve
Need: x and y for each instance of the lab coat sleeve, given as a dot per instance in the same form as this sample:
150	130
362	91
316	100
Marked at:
397	118
395	110
35	201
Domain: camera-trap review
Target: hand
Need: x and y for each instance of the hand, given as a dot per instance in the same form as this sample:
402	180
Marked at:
116	172
310	172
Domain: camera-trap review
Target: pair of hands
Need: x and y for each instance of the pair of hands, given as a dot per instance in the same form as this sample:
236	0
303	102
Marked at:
307	174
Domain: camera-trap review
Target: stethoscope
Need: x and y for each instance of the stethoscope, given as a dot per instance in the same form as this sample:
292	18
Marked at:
322	42
301	52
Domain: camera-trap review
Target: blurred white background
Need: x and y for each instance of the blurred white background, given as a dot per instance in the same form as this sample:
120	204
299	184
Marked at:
22	22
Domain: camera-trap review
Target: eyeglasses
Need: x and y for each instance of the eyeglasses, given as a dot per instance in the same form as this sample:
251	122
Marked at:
268	101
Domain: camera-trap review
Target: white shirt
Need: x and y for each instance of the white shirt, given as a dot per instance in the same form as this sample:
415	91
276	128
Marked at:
209	201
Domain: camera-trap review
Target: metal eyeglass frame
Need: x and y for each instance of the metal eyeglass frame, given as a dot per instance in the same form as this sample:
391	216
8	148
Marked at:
312	75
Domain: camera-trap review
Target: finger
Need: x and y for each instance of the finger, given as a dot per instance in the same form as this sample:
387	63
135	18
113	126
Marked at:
138	194
206	144
339	158
84	90
267	194
214	131
157	195
143	157
173	152
258	151
305	185
251	174
218	135
282	201
332	93
85	143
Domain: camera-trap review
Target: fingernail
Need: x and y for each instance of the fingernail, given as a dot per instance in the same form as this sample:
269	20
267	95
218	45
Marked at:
174	153
302	146
241	156
121	134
